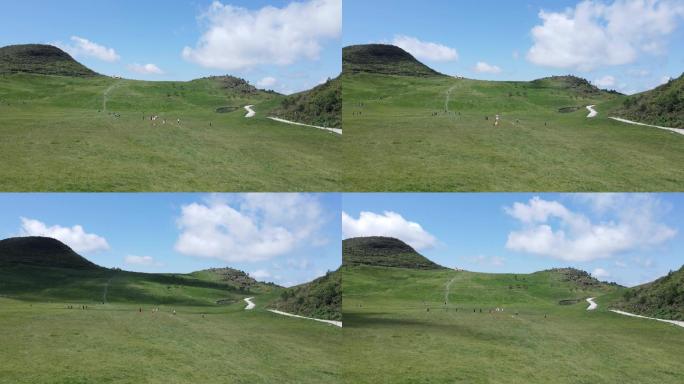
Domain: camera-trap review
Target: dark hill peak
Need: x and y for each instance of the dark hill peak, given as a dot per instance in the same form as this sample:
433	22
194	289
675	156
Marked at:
383	252
41	251
40	59
383	59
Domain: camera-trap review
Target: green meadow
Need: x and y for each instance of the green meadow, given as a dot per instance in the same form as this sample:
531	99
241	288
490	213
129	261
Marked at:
437	133
398	329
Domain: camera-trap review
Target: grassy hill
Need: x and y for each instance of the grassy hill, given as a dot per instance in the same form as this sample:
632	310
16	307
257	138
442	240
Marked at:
663	106
40	59
95	134
385	252
320	298
321	106
414	133
662	298
200	333
41	251
442	326
383	59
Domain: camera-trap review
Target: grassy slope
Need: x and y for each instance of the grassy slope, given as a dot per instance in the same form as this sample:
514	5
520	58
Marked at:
385	59
663	298
662	106
56	140
389	336
394	143
113	342
320	298
38	58
321	106
385	252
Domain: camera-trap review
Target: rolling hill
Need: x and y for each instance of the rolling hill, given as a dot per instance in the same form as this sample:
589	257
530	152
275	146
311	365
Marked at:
40	59
320	298
383	59
662	298
663	106
41	252
99	128
384	252
320	106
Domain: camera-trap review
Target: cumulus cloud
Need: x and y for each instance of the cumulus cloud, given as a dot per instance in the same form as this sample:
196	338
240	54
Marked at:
482	67
388	224
75	237
600	274
267	82
145	69
550	229
147	261
86	48
253	227
424	50
237	38
260	274
605	81
596	34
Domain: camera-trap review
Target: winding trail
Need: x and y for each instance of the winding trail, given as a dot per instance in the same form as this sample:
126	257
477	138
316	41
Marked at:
250	303
676	130
250	111
448	96
105	94
675	322
105	290
331	322
334	130
592	111
592	304
446	291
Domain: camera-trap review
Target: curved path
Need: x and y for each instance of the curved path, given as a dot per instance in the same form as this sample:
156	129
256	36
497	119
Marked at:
676	130
105	94
331	322
592	304
250	111
334	130
250	303
446	291
675	322
592	111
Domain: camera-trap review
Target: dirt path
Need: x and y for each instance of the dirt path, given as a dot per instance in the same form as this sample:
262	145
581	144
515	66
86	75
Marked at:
592	111
334	130
448	96
250	303
332	322
592	304
446	291
105	95
250	111
675	322
676	130
106	290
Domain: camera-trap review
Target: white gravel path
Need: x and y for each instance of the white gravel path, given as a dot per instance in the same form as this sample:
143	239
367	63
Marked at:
592	111
334	130
250	304
676	130
592	304
250	111
675	322
332	322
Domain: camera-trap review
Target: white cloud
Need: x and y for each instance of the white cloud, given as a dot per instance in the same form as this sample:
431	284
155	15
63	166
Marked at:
482	67
253	227
550	229
75	237
424	50
85	47
605	81
260	275
596	34
146	69
147	261
664	80
237	38
600	274
267	82
388	224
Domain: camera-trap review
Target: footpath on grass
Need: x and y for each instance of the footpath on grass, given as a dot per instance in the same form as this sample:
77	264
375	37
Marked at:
592	111
333	130
251	305
592	304
676	130
675	322
250	111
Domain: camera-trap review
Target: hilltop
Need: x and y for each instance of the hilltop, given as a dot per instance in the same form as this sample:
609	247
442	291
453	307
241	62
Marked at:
383	252
662	106
383	59
321	106
41	59
577	85
41	251
662	298
320	298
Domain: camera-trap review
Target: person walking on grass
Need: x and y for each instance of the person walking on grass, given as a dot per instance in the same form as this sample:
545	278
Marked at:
496	120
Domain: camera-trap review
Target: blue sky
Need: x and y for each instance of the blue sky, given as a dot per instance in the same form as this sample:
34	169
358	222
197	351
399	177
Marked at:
629	45
123	36
628	238
285	238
